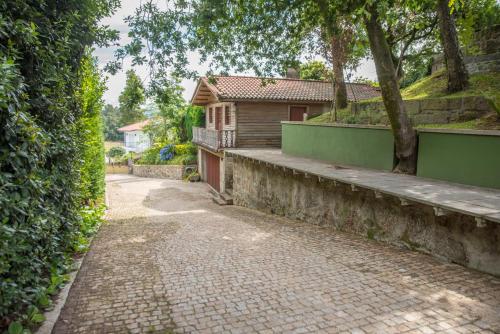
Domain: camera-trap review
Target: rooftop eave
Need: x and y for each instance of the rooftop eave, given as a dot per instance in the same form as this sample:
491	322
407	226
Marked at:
233	99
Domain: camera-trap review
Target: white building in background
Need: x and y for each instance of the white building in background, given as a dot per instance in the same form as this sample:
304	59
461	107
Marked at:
135	139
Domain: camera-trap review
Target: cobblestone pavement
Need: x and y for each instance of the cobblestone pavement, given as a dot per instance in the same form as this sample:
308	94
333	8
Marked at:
171	261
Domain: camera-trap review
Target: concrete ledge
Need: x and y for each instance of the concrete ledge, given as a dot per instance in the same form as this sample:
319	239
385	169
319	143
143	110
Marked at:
174	172
434	217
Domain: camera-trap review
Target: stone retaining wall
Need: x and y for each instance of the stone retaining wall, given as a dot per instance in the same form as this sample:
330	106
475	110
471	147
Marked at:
427	111
475	64
175	172
455	237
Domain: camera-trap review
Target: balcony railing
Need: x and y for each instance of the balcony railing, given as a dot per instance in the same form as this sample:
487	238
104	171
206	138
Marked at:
214	139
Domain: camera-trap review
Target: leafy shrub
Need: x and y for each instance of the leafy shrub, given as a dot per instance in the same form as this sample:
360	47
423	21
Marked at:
186	149
116	152
183	160
194	116
151	156
167	153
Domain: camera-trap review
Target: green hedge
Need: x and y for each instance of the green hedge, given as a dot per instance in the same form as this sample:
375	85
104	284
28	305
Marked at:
50	148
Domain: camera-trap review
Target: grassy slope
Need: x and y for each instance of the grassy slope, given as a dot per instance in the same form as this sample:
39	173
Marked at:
434	86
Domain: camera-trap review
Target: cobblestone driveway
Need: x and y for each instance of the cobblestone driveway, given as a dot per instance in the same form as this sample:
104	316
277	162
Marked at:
171	261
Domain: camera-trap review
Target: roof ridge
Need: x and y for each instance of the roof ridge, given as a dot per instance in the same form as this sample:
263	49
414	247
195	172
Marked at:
288	79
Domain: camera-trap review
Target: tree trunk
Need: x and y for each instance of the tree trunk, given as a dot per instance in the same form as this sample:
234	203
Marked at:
458	79
398	69
338	55
404	135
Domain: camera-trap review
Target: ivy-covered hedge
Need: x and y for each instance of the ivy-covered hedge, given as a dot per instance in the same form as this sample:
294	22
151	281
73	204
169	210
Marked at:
51	155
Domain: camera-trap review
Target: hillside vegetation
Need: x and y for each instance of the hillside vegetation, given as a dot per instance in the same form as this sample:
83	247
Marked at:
434	86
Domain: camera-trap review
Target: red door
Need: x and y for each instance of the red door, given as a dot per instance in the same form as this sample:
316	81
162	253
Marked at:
218	118
297	113
213	170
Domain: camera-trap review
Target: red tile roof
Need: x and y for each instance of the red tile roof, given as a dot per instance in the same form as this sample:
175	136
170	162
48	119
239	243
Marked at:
237	88
134	127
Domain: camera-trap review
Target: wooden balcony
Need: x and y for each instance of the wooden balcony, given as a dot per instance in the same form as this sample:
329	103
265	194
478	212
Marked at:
214	139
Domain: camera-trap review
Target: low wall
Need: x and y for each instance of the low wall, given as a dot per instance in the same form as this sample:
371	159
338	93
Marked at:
455	237
426	111
370	147
116	169
462	156
175	172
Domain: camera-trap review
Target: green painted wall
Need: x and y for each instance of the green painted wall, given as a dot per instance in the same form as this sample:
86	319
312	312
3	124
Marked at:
357	146
462	158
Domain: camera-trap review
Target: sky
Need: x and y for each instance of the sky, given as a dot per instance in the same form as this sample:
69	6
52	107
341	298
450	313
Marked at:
116	83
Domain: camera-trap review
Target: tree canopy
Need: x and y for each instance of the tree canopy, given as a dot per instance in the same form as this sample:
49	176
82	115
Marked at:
314	70
111	118
131	99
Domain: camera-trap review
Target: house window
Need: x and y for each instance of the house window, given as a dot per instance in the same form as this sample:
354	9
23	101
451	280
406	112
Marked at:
210	115
227	115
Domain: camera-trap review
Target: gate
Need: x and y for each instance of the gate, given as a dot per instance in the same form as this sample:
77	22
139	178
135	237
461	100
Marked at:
213	170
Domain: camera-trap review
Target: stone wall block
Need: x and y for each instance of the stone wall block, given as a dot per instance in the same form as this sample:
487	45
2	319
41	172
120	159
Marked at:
174	172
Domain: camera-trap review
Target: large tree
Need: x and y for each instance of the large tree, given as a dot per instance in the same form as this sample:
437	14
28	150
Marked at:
404	134
131	99
458	78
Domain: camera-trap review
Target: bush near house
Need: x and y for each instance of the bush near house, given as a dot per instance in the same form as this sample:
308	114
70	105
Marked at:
169	154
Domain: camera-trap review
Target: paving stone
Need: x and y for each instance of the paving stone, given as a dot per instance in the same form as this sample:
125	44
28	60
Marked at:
170	261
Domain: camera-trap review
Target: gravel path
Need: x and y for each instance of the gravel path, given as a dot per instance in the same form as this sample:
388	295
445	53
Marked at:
171	261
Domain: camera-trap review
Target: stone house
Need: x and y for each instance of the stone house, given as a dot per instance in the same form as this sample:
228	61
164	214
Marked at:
246	112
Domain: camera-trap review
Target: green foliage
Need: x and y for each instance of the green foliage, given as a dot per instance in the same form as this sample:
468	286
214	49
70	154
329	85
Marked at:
185	149
314	70
111	117
416	69
366	81
482	84
172	119
47	106
185	154
151	156
131	99
116	152
188	159
473	17
90	220
194	116
90	127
